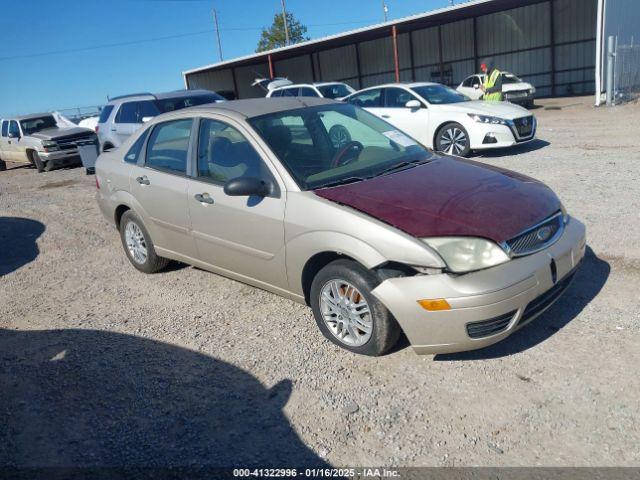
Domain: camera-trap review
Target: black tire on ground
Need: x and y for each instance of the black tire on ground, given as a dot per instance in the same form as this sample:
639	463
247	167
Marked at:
3	165
453	131
153	262
37	162
49	166
385	331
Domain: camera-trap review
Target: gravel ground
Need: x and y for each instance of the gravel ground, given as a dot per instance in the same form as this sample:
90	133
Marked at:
102	365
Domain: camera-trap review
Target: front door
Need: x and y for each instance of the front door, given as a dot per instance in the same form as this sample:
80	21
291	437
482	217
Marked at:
412	121
159	183
13	145
242	235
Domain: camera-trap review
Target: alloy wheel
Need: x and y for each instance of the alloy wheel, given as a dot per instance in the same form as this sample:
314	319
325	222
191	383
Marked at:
453	141
136	243
346	313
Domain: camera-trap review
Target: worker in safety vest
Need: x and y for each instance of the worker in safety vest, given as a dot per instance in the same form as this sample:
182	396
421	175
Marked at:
492	86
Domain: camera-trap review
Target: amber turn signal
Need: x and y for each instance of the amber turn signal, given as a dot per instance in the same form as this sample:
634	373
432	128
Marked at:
434	305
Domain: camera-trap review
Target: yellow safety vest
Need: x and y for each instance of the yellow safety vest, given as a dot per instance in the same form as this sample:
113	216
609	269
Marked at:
489	82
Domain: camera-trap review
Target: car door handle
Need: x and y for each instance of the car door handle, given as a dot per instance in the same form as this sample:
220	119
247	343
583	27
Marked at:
143	180
203	198
113	130
385	116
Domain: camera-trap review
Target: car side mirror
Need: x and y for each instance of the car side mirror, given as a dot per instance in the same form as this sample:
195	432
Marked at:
413	104
476	86
248	187
146	119
13	135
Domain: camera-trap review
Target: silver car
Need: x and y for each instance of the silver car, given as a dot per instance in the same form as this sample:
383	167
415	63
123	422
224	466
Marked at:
375	233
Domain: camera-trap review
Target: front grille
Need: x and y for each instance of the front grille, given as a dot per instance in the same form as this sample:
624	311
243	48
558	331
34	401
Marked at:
70	143
486	328
539	304
538	237
524	125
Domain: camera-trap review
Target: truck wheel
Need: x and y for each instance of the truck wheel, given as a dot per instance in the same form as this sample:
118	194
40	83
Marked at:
39	164
347	313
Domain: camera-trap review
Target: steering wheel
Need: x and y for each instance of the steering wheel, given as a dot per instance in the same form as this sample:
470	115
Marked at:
338	157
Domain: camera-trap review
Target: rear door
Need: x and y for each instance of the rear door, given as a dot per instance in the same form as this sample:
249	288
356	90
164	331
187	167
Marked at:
243	235
159	182
130	117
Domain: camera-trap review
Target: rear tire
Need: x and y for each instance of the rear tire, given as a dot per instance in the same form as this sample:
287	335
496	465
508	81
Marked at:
37	162
453	139
138	245
378	330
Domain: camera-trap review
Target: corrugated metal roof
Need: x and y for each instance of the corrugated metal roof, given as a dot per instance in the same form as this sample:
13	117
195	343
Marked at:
420	16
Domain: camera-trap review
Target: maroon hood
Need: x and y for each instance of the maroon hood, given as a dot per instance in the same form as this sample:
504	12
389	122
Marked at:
451	197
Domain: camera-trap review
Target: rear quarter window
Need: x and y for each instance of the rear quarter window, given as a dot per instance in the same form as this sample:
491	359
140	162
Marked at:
105	113
5	128
133	154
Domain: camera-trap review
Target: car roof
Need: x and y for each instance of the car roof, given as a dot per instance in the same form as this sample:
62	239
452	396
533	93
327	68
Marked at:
30	116
400	84
255	107
158	96
313	84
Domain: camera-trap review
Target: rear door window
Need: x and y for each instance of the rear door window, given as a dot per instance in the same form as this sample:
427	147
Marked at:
308	92
105	113
369	99
5	128
168	146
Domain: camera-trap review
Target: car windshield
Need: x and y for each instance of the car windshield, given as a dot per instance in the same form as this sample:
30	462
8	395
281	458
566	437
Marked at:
510	78
170	104
439	94
335	90
34	125
333	144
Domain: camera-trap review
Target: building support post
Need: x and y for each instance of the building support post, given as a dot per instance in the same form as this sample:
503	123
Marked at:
611	58
235	83
271	71
394	32
359	70
553	49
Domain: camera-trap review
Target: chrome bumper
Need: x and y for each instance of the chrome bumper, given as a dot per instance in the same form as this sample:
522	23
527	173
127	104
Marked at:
507	293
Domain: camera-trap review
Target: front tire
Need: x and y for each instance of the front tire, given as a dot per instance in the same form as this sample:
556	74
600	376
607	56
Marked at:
138	245
347	313
453	139
37	162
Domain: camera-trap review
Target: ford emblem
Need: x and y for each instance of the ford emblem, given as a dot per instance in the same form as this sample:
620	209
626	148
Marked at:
544	234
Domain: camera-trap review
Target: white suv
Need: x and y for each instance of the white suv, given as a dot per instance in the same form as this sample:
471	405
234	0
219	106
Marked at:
123	115
333	90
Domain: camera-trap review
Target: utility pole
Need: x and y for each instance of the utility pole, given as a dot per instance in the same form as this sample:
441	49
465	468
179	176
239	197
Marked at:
286	23
385	10
215	19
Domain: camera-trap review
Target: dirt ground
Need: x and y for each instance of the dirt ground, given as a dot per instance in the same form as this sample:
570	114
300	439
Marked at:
102	365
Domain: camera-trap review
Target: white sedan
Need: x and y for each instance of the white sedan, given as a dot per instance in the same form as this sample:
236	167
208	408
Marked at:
446	120
514	89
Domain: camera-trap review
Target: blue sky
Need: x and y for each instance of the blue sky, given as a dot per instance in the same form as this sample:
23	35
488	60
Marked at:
38	72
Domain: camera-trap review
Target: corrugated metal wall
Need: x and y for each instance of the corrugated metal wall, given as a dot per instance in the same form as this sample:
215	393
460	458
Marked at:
550	44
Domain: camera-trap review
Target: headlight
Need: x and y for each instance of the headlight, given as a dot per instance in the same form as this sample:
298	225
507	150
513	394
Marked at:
466	254
533	90
487	119
49	146
565	215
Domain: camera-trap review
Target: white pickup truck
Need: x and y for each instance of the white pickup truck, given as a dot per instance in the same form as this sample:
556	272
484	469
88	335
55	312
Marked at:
37	139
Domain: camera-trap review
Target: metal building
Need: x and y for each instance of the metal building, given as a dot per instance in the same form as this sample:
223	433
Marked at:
549	43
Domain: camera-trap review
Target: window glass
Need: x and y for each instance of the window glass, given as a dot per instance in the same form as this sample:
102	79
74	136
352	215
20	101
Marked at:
34	125
276	93
368	99
308	92
13	128
396	97
134	112
336	143
104	114
468	82
439	94
289	92
335	90
168	146
134	152
477	81
224	154
165	105
5	128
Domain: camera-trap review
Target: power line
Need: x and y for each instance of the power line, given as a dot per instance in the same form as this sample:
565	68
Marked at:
156	39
